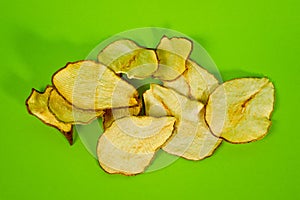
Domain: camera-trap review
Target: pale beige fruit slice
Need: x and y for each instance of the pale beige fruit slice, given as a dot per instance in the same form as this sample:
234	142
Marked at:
154	107
196	82
130	143
113	114
125	56
192	138
66	112
172	54
239	110
90	85
37	105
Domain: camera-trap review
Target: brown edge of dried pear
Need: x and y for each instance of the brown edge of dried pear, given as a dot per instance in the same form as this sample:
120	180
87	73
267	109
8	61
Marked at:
68	134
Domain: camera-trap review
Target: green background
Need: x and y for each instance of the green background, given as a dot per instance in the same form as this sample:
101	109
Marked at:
243	37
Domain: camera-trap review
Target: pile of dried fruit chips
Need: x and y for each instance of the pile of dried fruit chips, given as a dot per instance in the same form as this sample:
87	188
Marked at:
189	115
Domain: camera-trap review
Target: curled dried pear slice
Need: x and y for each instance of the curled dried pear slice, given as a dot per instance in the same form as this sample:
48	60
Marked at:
91	85
239	110
172	54
196	82
130	143
192	138
66	112
37	105
125	56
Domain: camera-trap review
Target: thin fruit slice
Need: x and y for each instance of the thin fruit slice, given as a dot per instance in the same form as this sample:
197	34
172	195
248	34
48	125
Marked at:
192	138
90	85
172	54
113	114
196	82
130	143
239	110
66	112
37	105
125	56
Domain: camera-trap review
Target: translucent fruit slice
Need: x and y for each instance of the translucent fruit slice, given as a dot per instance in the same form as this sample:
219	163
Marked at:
192	138
37	105
66	112
239	110
130	143
125	56
196	82
172	54
90	85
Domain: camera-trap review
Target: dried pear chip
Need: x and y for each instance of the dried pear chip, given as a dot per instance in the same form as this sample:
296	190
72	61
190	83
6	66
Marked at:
239	110
113	114
172	54
154	107
192	138
66	112
37	105
196	82
130	143
91	85
125	56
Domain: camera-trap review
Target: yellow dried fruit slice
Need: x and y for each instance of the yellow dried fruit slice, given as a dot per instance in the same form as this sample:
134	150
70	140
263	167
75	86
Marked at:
37	105
66	112
239	110
192	138
196	82
125	56
113	114
130	143
90	85
172	54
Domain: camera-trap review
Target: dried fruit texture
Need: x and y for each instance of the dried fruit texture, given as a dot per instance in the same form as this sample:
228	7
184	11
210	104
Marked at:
66	112
196	82
37	105
130	143
125	56
239	110
113	114
90	85
172	54
192	138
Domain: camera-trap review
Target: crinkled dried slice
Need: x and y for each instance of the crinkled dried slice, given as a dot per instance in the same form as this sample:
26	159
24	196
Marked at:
37	105
154	107
172	54
90	85
125	56
196	82
66	112
192	138
239	110
130	143
113	114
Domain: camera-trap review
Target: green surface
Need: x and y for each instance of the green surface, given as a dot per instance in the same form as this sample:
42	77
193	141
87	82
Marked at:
243	38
